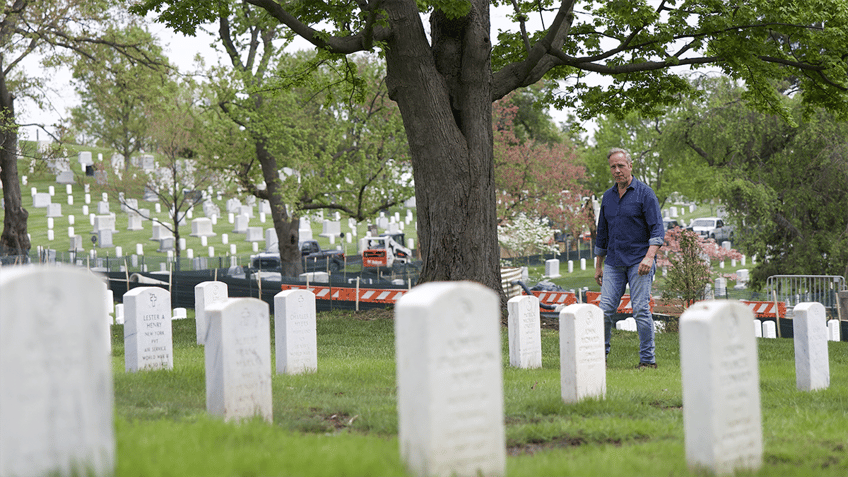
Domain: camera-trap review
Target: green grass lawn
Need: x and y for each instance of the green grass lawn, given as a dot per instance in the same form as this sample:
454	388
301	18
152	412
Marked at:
342	420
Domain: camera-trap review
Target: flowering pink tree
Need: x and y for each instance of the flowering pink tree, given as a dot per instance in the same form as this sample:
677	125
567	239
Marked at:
534	178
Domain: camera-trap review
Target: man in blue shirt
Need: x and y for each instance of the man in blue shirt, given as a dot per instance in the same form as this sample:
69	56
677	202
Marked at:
630	231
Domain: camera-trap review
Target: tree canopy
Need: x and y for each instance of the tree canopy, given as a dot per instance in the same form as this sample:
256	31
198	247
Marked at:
118	93
55	29
783	183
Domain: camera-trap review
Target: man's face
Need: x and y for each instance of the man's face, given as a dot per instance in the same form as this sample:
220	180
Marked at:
621	169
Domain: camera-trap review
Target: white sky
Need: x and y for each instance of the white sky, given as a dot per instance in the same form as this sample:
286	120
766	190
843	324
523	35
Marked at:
181	50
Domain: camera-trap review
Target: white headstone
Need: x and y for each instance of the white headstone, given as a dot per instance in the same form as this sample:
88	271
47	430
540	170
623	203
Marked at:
245	210
76	241
758	329
104	222
295	334
254	234
721	287
166	245
159	232
56	397
134	222
270	238
769	329
552	268
64	177
449	380
54	210
104	238
102	208
201	227
40	200
809	328
147	329
722	420
238	359
241	222
331	228
742	276
85	158
583	372
264	207
525	332
833	331
205	294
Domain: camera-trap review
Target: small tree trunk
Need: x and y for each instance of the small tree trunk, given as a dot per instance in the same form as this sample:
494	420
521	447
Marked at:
285	225
14	240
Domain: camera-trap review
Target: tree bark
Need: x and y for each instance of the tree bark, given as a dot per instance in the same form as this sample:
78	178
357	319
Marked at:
14	240
444	94
285	225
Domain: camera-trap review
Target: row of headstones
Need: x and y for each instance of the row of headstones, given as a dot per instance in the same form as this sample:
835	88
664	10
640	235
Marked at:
672	212
459	369
449	375
148	338
57	402
552	267
552	270
768	329
104	223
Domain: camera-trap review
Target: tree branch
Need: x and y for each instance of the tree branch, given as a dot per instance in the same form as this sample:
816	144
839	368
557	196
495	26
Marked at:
341	45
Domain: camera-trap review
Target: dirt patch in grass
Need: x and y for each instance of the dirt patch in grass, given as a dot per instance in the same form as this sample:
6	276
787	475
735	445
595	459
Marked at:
530	448
375	314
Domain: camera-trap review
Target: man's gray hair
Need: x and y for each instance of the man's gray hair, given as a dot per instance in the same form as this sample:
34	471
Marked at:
618	149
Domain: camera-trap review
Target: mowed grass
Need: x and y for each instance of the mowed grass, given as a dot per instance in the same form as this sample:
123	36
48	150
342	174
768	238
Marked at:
342	420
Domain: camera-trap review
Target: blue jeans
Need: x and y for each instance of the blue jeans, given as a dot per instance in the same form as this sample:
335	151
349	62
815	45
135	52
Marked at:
612	288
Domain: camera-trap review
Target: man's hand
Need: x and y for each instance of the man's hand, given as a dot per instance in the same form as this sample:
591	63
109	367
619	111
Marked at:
645	265
599	274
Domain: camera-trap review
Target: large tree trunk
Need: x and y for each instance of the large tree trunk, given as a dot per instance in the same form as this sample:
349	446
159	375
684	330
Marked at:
14	240
286	226
444	95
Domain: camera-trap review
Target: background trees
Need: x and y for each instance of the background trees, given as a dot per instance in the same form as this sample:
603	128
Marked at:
326	121
118	92
536	177
53	29
782	182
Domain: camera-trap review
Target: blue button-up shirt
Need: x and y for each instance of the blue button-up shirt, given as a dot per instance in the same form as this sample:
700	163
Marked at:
627	226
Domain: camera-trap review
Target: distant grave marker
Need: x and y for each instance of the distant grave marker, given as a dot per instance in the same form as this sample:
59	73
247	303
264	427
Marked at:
295	332
812	364
206	294
525	333
583	372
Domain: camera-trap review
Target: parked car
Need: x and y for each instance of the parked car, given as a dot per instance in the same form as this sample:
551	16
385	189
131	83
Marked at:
669	224
314	258
712	227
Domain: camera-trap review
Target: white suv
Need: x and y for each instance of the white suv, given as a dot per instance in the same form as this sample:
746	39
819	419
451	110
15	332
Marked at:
712	227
